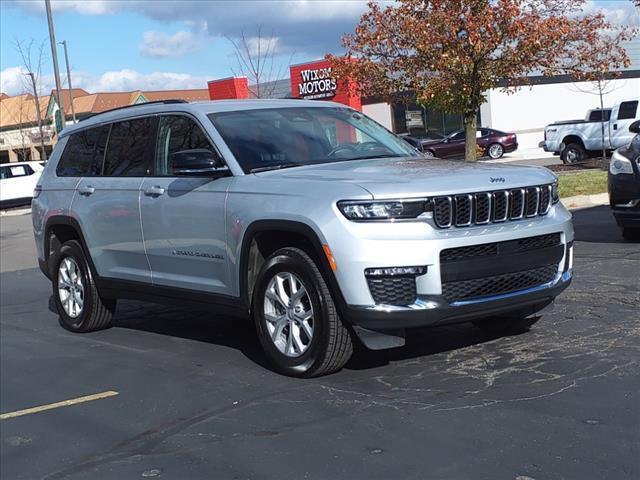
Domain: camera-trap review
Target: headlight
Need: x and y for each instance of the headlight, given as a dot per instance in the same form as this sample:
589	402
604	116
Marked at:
620	164
555	196
371	210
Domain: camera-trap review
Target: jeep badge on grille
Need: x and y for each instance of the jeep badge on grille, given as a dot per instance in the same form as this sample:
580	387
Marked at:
497	179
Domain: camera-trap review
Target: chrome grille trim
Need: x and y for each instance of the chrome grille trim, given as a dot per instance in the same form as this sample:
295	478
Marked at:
488	206
517	200
482	208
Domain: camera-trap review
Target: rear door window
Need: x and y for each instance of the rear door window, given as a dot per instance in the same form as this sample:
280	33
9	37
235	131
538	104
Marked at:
130	148
83	154
627	110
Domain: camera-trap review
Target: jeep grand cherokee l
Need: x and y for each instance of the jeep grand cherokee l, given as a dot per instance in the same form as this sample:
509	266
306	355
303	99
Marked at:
309	217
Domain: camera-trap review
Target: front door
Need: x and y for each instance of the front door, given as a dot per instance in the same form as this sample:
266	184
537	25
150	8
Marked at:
183	216
622	117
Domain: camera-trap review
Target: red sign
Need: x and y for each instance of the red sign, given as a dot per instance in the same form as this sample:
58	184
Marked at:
314	81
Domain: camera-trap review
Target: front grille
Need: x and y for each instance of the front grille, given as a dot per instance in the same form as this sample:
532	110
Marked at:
492	249
393	290
498	284
491	207
541	241
458	253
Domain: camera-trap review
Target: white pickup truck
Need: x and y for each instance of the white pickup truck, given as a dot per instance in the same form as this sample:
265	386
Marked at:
574	140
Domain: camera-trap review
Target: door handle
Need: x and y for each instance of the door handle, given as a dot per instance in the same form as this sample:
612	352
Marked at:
86	190
154	191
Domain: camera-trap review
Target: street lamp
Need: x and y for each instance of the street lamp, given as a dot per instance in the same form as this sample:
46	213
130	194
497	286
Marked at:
66	60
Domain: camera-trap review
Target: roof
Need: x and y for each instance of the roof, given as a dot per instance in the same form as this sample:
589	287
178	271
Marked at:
64	95
19	110
194	95
197	108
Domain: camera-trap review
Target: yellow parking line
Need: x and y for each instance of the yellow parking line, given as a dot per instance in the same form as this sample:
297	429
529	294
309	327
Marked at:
64	403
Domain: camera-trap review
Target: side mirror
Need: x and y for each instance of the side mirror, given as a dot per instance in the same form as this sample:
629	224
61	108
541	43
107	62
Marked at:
196	162
635	127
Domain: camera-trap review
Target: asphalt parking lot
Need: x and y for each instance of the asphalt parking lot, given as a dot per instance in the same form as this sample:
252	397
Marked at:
194	399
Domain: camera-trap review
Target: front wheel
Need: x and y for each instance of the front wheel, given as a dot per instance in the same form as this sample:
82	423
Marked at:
495	151
296	319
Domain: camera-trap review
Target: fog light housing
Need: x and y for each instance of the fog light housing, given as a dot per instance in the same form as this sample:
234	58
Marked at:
395	271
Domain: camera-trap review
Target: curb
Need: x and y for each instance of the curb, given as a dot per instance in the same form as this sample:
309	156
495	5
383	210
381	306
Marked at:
15	212
585	201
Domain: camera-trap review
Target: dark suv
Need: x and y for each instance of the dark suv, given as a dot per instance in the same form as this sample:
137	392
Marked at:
624	185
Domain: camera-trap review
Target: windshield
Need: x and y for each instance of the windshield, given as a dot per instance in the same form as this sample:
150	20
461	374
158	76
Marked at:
281	137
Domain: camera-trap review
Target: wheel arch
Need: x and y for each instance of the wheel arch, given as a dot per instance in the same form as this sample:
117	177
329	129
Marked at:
60	229
268	236
568	139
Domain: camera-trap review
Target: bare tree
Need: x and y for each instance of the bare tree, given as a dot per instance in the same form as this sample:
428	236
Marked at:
32	80
602	85
256	60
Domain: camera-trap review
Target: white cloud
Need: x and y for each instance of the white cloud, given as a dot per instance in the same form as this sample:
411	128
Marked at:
622	13
12	80
161	45
126	80
83	7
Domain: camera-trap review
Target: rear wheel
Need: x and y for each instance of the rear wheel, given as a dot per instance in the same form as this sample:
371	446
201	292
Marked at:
296	319
495	151
506	325
429	153
77	300
573	153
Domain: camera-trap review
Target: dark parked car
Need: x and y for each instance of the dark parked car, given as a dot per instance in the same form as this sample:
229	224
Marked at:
419	138
624	185
494	143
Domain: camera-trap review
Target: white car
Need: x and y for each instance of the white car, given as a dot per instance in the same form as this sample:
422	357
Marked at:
17	181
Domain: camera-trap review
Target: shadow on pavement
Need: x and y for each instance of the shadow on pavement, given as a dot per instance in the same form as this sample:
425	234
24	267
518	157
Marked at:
239	334
596	225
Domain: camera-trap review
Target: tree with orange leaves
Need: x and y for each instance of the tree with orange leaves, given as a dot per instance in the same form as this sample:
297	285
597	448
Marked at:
451	52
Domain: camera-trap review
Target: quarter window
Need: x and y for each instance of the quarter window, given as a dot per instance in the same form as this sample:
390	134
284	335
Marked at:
627	110
177	133
82	156
128	152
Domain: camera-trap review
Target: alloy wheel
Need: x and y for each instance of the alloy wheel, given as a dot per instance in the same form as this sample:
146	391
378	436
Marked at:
70	287
496	151
288	314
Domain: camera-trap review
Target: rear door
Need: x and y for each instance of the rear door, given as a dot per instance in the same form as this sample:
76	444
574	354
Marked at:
107	203
183	216
622	117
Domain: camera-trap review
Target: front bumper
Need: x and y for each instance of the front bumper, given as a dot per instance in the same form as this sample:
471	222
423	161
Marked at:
624	198
432	310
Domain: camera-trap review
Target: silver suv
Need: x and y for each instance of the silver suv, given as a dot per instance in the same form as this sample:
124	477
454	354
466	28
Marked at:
308	216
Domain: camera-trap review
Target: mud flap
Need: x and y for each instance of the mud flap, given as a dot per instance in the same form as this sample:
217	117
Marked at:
380	340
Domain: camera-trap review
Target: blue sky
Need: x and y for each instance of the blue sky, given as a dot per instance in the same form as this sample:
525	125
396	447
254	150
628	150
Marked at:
127	45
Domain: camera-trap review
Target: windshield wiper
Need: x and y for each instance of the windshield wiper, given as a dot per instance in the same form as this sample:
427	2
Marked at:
275	167
393	155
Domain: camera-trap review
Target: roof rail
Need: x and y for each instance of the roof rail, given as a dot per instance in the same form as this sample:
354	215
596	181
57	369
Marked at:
168	102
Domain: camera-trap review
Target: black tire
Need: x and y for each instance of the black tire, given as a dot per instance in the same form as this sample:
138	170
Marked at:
96	312
506	325
499	151
330	346
573	153
631	234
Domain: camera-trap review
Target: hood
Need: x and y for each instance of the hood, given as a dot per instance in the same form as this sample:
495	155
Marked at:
399	177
